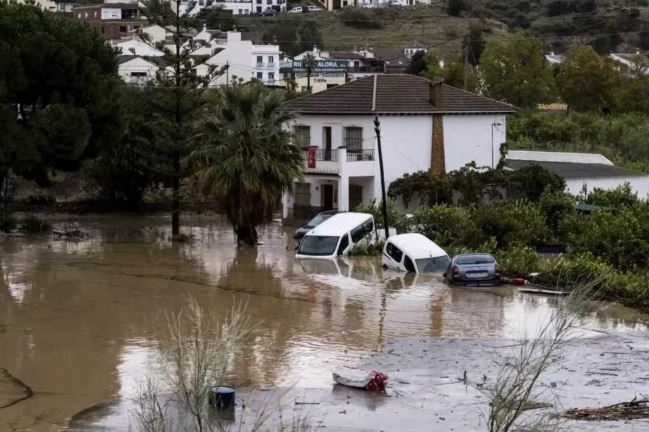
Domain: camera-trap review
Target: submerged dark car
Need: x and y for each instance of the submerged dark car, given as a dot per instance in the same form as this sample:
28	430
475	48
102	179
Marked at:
317	220
473	269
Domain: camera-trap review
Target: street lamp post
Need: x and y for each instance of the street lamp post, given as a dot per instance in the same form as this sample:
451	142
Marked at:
384	207
493	125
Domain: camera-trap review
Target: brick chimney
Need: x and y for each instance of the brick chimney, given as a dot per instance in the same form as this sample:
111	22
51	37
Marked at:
435	93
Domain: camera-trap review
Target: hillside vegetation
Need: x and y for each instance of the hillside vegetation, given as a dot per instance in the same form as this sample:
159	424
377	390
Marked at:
607	25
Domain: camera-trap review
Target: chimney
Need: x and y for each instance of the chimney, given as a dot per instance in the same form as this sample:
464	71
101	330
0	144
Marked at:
435	93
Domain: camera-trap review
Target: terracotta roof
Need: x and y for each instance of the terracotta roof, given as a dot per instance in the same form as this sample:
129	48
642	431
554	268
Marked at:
573	170
395	94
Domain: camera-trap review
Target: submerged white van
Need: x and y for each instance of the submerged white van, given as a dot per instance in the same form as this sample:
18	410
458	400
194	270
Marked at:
337	235
414	253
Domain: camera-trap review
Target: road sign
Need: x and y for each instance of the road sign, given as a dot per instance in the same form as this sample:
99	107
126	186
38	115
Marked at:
321	66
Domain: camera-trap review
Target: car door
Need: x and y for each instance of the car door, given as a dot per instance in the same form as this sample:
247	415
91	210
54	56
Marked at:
393	257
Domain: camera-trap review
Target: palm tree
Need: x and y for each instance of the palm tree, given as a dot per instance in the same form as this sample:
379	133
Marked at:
246	159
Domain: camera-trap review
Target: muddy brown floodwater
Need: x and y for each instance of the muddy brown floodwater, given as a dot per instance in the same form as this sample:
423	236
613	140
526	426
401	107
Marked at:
79	320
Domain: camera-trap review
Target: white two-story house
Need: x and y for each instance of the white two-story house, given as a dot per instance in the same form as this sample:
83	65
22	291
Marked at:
425	125
242	60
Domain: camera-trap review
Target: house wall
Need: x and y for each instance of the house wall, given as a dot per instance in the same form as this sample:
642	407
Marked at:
137	65
241	56
640	185
468	138
156	33
406	142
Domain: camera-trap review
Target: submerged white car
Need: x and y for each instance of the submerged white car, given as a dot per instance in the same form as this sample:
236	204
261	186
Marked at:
337	235
414	253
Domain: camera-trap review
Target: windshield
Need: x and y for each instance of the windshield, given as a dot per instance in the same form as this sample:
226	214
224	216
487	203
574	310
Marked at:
475	259
432	265
318	220
318	245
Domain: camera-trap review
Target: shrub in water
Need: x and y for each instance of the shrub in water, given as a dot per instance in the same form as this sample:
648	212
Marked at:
445	225
34	225
510	223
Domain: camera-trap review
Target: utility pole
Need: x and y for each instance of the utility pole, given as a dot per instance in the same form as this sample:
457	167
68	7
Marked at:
377	129
227	74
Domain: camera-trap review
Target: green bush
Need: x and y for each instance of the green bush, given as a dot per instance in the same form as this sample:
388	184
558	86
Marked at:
518	261
620	238
359	18
566	273
8	223
372	249
622	196
510	223
456	7
445	225
35	225
395	219
556	207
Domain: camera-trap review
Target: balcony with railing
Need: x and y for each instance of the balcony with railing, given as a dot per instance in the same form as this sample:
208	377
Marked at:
341	161
359	155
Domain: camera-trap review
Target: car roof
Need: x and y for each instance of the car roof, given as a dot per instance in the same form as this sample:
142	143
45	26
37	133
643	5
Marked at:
340	224
417	245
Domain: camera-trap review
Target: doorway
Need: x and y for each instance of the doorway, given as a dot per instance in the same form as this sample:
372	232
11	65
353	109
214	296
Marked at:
327	197
355	196
326	138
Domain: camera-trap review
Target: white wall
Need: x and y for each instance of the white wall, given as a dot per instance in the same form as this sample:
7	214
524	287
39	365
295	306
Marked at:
138	65
407	143
156	33
468	138
640	185
241	56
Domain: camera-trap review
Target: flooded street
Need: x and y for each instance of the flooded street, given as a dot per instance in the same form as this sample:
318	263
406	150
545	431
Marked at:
80	320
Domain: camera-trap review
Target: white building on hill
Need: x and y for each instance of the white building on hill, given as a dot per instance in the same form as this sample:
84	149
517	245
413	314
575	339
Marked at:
243	60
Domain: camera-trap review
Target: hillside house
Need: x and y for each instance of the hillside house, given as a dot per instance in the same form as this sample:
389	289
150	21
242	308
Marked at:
241	59
425	125
115	21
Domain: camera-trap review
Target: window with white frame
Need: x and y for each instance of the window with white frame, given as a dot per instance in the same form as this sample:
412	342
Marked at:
302	135
353	139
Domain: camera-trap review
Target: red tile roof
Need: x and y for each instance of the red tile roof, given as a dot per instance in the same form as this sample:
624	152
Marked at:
395	94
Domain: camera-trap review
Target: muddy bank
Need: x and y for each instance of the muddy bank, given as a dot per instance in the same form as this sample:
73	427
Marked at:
428	390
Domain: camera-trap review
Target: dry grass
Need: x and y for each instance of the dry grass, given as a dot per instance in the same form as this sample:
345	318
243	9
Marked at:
515	387
196	356
400	26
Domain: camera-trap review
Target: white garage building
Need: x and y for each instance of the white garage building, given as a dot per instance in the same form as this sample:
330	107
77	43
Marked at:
582	171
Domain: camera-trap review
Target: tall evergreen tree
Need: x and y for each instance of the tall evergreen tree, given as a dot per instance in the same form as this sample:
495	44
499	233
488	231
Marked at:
177	96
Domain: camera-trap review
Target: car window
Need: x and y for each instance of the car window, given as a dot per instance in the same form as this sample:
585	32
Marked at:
394	252
475	259
318	219
410	266
358	233
318	245
432	265
344	243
